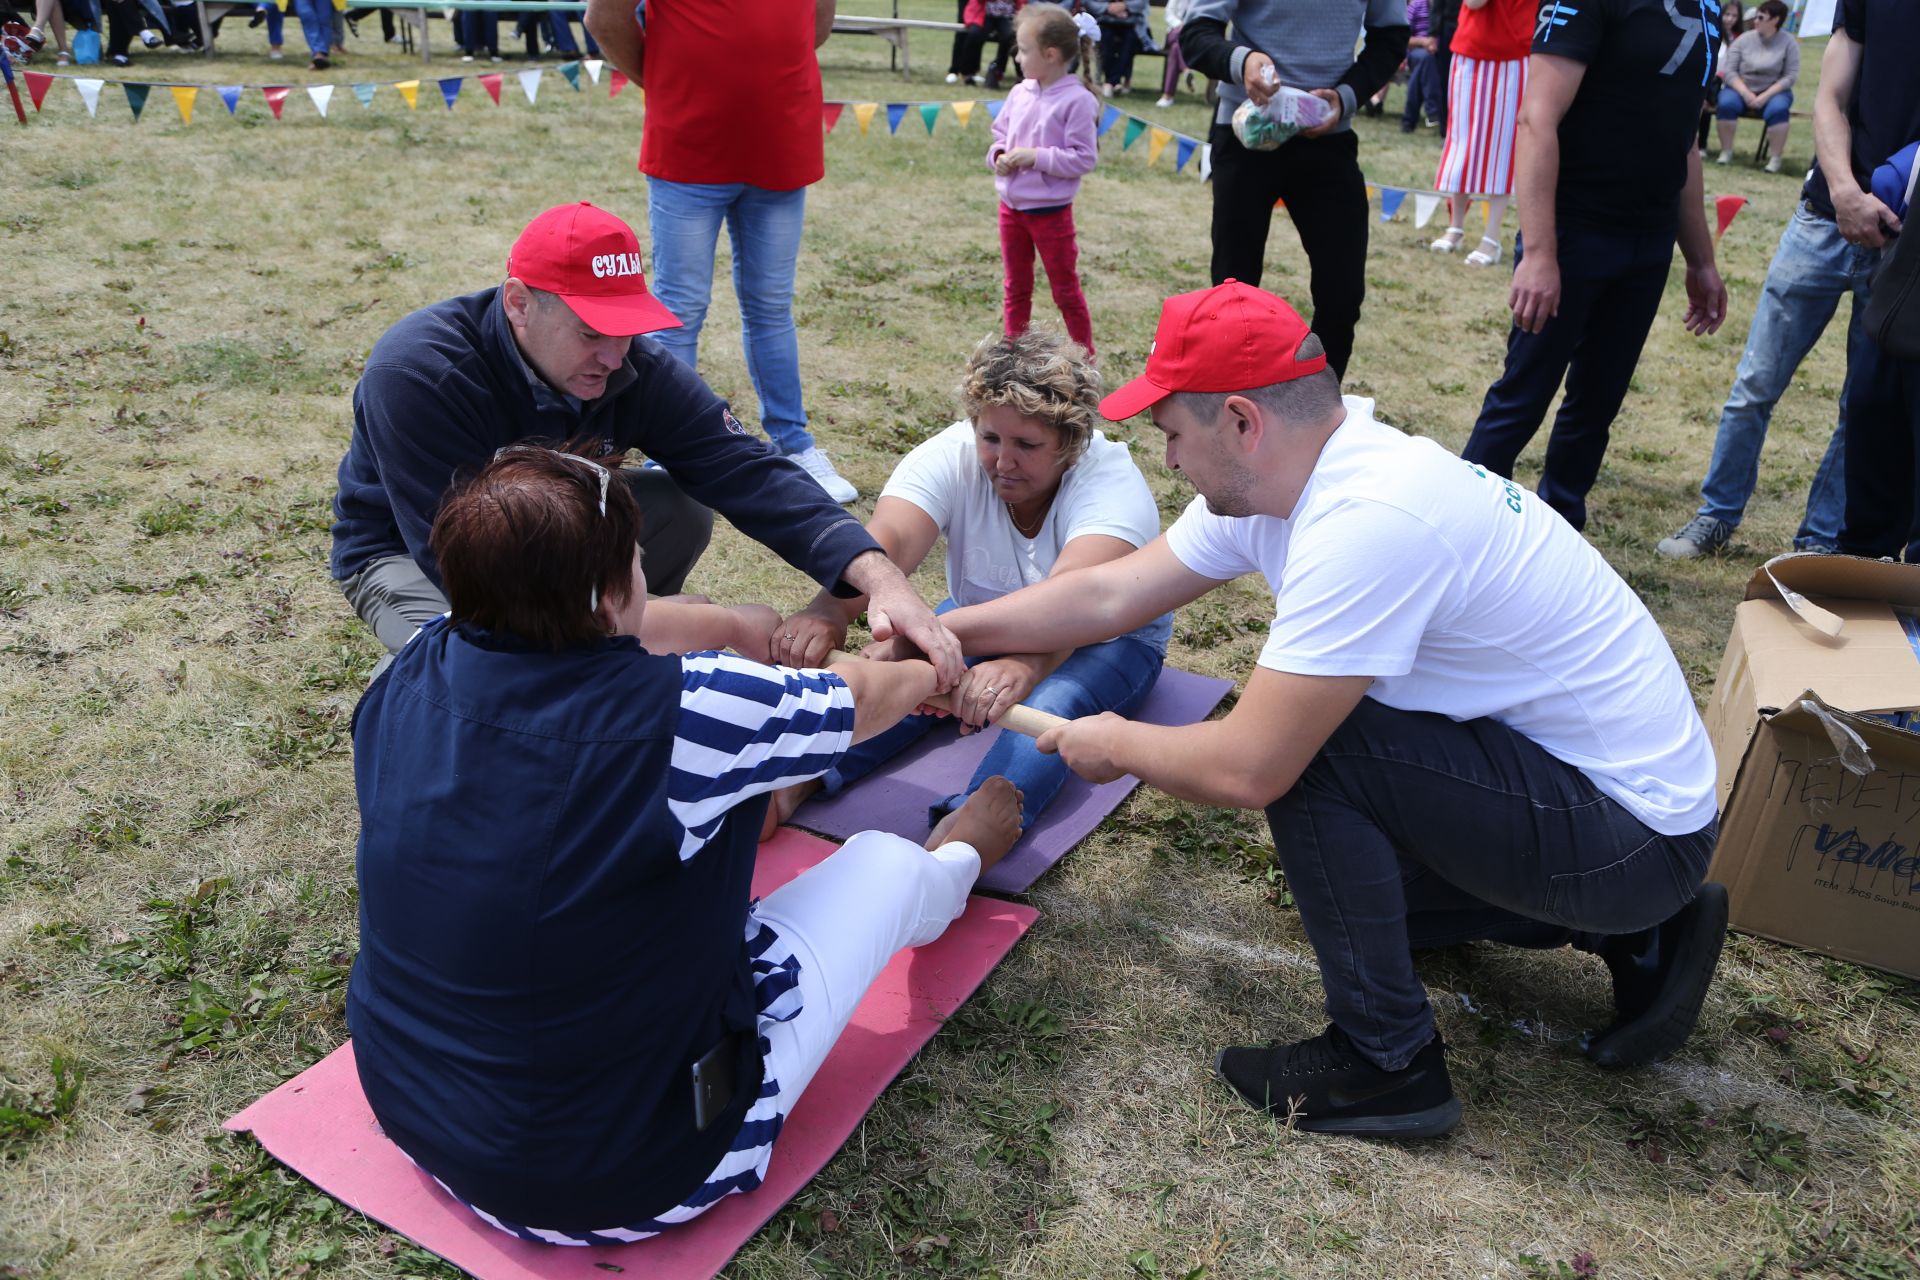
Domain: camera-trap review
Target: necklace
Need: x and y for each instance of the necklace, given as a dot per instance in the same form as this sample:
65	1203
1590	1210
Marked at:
1021	529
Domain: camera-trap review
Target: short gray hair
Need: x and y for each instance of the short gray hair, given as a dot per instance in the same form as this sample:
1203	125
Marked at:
1298	401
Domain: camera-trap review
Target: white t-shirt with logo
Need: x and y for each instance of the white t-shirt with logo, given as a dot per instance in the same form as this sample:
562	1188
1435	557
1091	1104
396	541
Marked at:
1463	594
1103	492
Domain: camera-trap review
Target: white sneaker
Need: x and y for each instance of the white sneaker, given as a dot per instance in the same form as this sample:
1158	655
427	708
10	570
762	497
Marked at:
1165	102
1773	164
1726	157
953	77
817	465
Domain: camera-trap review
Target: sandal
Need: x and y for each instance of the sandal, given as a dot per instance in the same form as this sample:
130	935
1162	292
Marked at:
1450	241
1486	255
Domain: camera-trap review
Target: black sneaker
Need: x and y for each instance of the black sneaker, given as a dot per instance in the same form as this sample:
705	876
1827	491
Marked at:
1325	1086
1660	980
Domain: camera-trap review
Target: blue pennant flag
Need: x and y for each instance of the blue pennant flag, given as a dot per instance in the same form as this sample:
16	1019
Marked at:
450	89
1108	120
993	107
896	112
229	94
1183	150
364	92
1391	198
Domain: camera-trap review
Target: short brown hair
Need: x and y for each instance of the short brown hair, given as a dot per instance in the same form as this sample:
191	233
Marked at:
522	546
1038	375
1773	9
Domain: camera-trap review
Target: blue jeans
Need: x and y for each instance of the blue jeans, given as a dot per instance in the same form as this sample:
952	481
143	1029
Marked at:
1773	111
316	23
1115	675
764	228
276	23
1425	89
477	30
1811	269
1413	830
560	35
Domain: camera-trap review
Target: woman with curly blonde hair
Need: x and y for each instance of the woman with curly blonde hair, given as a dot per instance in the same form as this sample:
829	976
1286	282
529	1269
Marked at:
1022	489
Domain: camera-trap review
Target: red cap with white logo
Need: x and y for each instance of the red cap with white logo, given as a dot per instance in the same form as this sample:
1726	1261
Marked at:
592	260
1232	337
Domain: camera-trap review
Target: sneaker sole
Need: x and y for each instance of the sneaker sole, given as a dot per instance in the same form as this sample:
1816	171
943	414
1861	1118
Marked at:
1670	1019
1433	1122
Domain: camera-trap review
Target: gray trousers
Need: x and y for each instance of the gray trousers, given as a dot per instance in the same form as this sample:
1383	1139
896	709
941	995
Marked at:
395	597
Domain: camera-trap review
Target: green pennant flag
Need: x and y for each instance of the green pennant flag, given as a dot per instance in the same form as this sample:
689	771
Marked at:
137	97
1135	127
929	111
571	70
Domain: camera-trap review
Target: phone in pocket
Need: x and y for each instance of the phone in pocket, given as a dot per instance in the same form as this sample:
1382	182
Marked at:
713	1082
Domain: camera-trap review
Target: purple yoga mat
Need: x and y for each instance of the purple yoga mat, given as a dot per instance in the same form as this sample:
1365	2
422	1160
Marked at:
895	798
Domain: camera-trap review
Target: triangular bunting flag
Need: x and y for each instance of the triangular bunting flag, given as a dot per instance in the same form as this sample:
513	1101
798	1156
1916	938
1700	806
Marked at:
571	70
1182	152
230	94
530	84
276	95
993	107
409	91
89	91
929	111
863	112
450	89
322	94
963	111
137	97
1157	140
364	92
491	83
1135	127
896	112
1109	118
38	82
183	96
830	114
1725	210
616	82
1423	207
1391	198
593	66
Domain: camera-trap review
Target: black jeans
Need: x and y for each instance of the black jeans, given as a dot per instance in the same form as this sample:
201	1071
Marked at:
1118	43
1610	287
1883	455
967	60
1414	830
1326	196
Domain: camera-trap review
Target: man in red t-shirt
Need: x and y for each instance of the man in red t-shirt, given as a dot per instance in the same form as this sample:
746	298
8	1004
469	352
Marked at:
732	134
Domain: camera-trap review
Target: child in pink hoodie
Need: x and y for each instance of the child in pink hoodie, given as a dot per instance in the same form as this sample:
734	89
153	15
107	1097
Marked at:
1045	140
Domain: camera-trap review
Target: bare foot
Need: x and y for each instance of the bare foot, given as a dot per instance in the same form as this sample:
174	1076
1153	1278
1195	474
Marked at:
989	820
782	803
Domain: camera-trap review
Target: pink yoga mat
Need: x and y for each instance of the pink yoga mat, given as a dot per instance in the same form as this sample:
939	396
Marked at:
896	797
319	1125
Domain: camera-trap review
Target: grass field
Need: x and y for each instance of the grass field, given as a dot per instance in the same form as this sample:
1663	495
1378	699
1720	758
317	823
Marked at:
185	313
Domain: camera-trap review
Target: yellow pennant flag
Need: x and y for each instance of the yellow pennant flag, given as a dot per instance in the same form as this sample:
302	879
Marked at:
863	112
964	111
1372	191
183	96
410	90
1157	140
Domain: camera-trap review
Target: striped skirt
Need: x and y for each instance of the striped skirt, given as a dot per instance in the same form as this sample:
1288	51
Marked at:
1483	118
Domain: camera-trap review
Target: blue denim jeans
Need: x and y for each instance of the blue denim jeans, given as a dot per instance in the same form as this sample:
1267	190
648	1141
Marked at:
1413	830
1811	269
1426	89
1113	676
276	23
477	30
1773	111
764	227
316	23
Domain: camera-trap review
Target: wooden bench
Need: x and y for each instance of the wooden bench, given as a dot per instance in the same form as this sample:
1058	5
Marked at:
892	30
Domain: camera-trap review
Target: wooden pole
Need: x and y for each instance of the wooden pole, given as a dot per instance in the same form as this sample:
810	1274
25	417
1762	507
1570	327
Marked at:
1020	718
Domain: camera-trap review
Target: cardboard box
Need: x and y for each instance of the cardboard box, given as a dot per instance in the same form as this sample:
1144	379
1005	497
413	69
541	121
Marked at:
1819	783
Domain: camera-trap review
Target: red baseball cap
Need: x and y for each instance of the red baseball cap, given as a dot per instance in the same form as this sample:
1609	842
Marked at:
592	260
1232	337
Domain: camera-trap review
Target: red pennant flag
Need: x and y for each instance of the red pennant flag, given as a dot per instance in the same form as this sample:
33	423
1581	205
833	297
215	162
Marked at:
491	83
615	84
830	113
1725	209
38	82
276	97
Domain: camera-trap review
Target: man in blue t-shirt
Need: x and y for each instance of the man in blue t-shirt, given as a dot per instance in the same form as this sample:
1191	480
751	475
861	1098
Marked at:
1607	180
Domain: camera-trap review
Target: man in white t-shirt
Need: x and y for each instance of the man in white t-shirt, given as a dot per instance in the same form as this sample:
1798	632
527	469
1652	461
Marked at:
1463	725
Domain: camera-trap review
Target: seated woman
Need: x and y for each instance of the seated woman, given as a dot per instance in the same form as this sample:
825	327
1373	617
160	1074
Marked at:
1758	76
565	1008
1025	488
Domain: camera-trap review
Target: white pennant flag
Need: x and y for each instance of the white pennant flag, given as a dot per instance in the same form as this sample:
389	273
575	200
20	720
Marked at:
321	94
530	82
1423	207
89	93
593	66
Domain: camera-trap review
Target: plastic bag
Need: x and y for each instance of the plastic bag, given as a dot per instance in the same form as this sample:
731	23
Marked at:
1286	113
86	47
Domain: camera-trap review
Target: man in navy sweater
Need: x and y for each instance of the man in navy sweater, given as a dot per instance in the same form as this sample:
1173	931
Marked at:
555	353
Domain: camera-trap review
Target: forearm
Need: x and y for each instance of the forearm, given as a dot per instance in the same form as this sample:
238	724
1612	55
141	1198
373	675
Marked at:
669	627
1385	49
1696	242
1536	180
1064	612
822	21
1204	44
884	693
1200	763
613	26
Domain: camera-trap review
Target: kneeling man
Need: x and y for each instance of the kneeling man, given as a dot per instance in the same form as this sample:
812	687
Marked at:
1463	726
